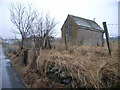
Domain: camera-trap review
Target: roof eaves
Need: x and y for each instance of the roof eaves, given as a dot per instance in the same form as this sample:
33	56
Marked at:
90	29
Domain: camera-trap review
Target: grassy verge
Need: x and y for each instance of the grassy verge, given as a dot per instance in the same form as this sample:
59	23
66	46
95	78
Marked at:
79	67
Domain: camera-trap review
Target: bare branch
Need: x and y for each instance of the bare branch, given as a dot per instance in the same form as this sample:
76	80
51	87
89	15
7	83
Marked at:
23	18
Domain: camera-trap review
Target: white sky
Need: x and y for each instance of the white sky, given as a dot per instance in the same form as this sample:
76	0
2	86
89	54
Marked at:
101	10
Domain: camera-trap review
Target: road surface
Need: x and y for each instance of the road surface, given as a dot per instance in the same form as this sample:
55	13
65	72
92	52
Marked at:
8	75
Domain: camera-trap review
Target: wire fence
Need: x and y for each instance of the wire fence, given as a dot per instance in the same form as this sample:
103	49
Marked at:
113	24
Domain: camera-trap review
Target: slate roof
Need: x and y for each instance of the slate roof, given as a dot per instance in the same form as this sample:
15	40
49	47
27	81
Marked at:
86	23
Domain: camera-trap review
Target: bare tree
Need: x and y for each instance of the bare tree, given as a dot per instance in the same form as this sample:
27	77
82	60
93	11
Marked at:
23	18
49	30
44	29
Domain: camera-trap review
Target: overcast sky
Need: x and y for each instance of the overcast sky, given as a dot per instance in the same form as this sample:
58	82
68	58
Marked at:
101	10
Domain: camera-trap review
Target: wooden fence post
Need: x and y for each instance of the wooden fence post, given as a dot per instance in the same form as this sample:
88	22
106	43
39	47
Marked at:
107	36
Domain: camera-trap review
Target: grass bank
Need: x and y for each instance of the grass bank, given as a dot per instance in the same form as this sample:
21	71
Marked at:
78	67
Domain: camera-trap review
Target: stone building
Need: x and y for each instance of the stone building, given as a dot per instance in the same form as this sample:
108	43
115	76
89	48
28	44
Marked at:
80	31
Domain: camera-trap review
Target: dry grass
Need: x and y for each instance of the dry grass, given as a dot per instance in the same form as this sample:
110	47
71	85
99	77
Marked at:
88	66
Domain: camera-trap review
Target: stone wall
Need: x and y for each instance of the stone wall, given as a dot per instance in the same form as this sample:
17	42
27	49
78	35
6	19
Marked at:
88	37
71	36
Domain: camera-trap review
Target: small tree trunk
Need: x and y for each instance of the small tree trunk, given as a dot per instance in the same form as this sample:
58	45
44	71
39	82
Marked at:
49	44
38	58
43	44
22	43
25	57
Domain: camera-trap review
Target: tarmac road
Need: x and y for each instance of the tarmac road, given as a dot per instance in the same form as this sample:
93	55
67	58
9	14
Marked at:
8	76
